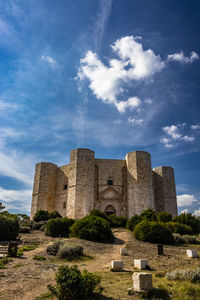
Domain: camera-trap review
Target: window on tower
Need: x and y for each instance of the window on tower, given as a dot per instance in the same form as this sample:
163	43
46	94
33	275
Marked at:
109	182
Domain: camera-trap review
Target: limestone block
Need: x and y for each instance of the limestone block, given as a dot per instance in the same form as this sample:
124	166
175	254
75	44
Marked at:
140	264
123	251
142	281
192	253
117	265
2	255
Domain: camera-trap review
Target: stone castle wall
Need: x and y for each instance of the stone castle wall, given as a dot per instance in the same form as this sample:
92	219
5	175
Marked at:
124	187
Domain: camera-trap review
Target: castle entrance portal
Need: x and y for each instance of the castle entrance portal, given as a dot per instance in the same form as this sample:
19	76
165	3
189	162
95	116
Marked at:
110	210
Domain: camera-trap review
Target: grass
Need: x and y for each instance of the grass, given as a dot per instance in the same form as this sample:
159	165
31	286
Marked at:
44	296
23	249
3	262
37	257
18	266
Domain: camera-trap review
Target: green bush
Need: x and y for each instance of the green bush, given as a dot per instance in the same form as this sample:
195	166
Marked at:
71	284
9	228
53	248
41	215
149	215
70	251
153	232
176	227
38	225
24	229
93	229
164	217
190	220
54	215
98	213
58	227
133	221
116	221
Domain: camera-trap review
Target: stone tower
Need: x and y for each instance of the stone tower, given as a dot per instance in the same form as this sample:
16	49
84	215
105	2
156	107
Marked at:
124	187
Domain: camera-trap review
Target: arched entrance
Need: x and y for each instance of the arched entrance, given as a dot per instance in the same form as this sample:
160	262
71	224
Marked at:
110	210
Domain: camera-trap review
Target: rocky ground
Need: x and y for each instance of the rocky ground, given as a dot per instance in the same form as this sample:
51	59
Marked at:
25	278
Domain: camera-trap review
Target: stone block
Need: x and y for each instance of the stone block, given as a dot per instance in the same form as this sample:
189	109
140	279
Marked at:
123	251
192	253
117	265
140	264
142	281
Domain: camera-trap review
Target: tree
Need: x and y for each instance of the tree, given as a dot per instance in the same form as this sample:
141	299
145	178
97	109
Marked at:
1	206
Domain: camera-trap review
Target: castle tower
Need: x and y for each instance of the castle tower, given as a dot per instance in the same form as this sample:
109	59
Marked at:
165	190
81	183
44	188
139	182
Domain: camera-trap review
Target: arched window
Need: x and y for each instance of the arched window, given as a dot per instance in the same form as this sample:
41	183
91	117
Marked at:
110	210
65	186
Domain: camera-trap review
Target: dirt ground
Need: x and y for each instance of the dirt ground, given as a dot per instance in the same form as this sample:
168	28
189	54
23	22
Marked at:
25	278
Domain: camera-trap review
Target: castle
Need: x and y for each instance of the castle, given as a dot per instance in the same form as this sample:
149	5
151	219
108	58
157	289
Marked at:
123	187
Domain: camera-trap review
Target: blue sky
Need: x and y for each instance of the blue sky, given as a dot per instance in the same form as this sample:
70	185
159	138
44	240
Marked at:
113	76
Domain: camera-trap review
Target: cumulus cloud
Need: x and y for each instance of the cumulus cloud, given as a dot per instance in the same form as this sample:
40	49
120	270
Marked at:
135	121
184	211
6	105
195	127
186	200
173	134
108	82
14	199
179	57
197	212
50	60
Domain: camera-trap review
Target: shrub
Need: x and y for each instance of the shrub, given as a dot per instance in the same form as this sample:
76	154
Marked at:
54	215
155	293
70	251
9	228
187	274
164	217
149	215
133	221
38	225
71	284
116	221
153	232
24	229
176	227
178	239
98	213
53	248
190	220
58	227
93	229
41	215
190	239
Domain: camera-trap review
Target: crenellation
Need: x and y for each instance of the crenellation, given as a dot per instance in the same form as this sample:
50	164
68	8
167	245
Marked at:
123	187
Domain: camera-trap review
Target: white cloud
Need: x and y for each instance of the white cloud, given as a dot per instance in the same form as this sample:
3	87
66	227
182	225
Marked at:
131	103
183	59
184	211
109	82
4	105
186	200
174	134
172	131
197	212
16	199
195	127
135	121
50	60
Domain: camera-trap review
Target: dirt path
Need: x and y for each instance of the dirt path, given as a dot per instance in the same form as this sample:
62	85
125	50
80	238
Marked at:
24	278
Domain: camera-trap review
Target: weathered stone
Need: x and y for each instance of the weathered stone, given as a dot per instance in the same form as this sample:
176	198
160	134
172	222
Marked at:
117	265
192	253
142	281
160	249
123	187
140	263
123	251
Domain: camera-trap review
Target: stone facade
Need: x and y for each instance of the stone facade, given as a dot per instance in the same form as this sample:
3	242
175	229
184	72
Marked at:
124	187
